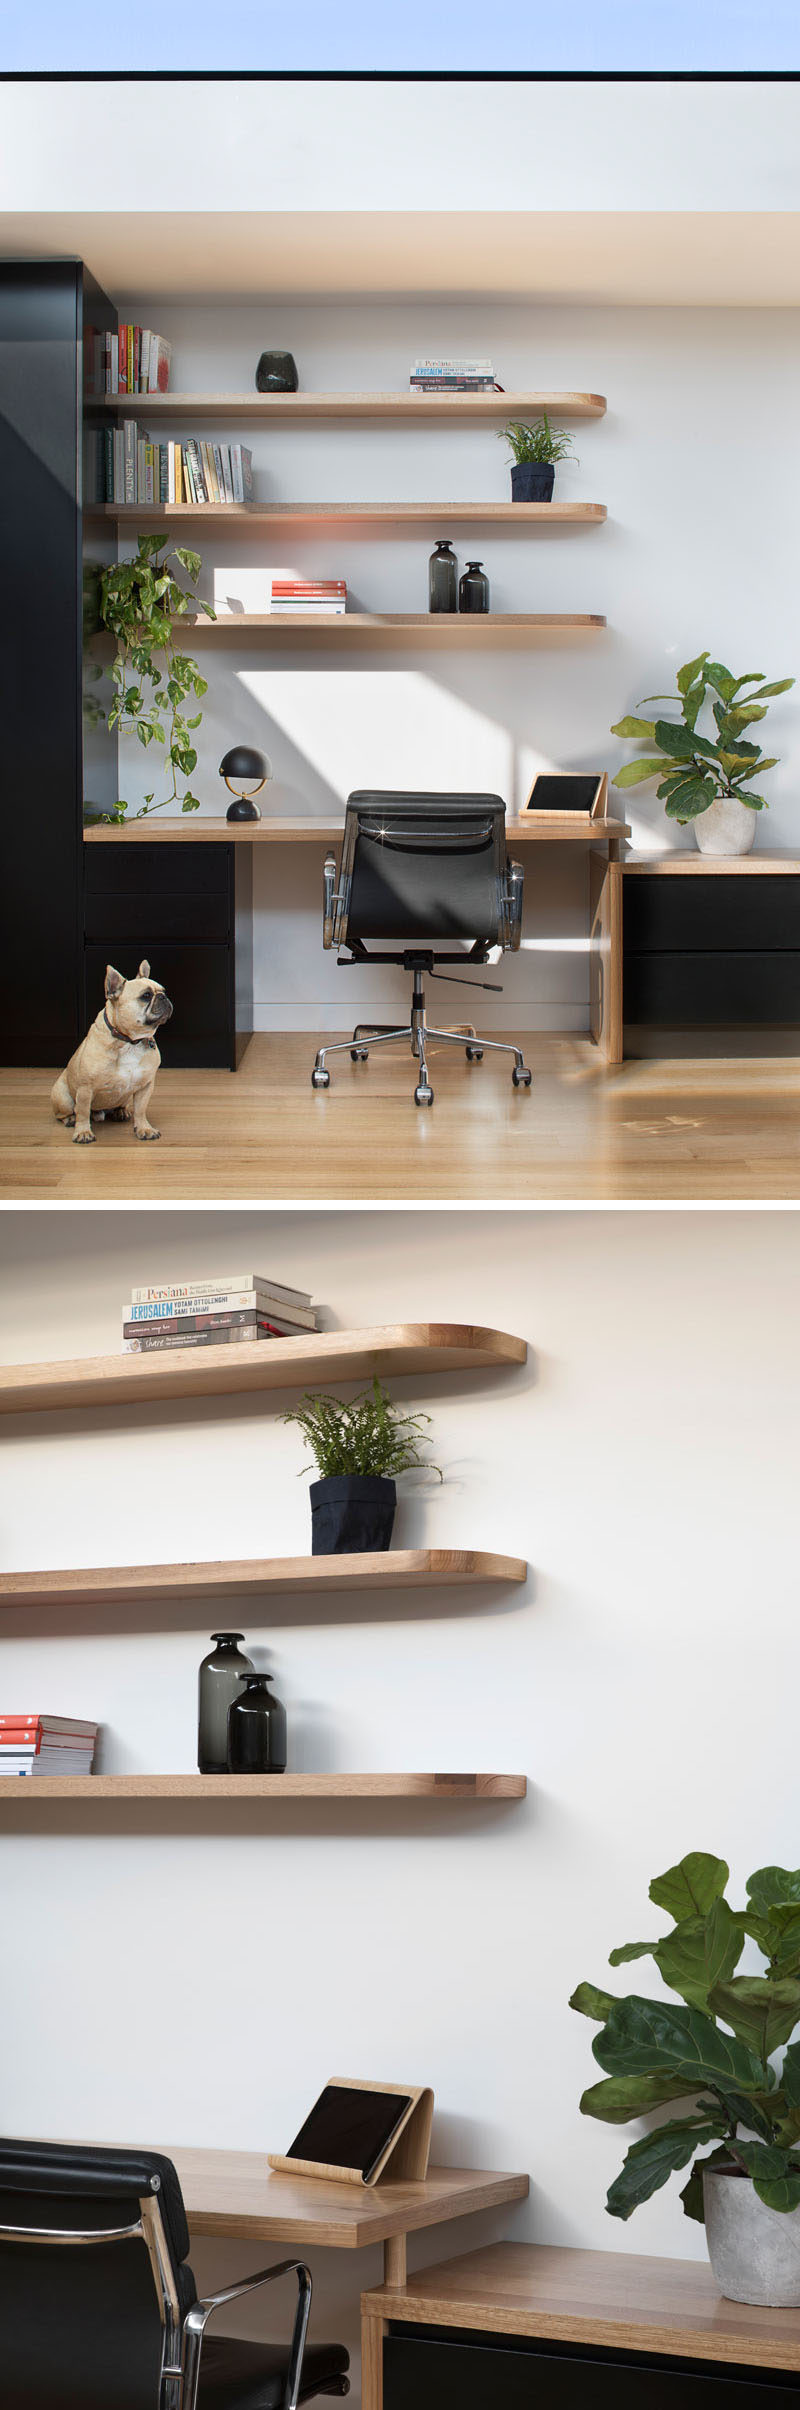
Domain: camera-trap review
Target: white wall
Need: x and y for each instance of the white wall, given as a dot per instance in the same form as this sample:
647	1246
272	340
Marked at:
173	1982
696	463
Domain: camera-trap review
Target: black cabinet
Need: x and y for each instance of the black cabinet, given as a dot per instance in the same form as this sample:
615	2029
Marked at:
186	908
711	949
435	2369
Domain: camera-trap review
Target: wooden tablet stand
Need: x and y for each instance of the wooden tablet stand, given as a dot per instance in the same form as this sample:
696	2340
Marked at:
406	2155
551	811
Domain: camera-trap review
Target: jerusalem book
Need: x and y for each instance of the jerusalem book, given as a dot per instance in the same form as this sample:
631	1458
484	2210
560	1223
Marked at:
214	1288
222	1318
254	1332
218	1301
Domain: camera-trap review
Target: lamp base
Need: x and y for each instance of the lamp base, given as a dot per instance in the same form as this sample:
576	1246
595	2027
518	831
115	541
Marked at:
243	809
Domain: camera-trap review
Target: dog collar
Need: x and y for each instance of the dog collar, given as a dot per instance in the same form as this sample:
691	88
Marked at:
121	1039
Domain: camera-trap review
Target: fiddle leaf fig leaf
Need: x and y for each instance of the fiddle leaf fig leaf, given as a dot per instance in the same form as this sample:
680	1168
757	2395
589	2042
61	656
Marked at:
590	2002
649	2163
690	673
632	773
631	1949
692	2194
648	2037
775	2173
773	1887
700	1952
631	726
780	687
761	2011
691	1887
620	2097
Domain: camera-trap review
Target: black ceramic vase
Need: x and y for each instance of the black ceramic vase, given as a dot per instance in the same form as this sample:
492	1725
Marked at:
473	588
442	578
220	1683
351	1513
276	373
532	481
256	1729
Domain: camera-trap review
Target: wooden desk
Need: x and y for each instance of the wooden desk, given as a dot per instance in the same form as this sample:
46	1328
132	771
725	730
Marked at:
235	2193
604	2301
180	890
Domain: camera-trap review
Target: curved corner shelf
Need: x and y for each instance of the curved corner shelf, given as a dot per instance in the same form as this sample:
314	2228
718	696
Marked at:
256	1367
261	1577
178	1789
354	518
285	408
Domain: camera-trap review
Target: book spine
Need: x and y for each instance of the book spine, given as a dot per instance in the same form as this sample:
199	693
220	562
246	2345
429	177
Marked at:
156	1339
227	1301
232	1282
247	473
119	464
223	1318
196	464
163	473
227	472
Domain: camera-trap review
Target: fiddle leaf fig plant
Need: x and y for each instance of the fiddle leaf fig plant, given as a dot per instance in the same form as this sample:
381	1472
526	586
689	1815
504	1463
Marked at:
139	602
711	2055
696	770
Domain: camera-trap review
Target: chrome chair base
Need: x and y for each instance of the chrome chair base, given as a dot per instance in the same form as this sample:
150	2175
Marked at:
417	1035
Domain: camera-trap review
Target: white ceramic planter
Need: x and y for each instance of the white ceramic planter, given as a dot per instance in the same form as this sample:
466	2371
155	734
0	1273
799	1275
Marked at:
728	827
754	2251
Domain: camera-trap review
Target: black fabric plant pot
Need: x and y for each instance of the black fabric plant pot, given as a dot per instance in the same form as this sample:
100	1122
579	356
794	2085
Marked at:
532	481
350	1513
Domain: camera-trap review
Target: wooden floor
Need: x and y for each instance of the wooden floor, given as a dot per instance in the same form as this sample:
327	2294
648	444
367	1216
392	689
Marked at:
675	1130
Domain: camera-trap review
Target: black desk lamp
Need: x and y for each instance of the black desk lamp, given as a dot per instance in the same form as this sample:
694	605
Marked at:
243	762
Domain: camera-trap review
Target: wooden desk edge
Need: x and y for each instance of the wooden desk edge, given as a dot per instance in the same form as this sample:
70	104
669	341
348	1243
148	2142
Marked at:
561	828
384	2224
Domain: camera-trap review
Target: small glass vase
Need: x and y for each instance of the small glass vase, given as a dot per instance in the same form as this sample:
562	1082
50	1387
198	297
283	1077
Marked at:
220	1683
256	1729
473	589
442	595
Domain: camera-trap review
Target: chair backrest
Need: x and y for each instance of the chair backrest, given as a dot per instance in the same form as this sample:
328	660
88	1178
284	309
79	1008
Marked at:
84	2324
422	867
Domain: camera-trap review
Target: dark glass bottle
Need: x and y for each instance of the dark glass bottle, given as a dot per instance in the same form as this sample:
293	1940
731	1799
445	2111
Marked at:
442	579
220	1683
473	589
256	1729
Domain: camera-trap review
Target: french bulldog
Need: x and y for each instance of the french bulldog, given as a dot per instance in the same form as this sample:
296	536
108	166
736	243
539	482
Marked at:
112	1074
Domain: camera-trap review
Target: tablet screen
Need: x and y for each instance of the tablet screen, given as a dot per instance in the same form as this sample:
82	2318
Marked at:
566	792
347	2128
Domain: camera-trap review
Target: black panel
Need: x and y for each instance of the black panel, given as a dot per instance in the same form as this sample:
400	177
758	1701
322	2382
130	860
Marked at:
41	325
199	982
421	2372
713	912
716	989
141	922
192	868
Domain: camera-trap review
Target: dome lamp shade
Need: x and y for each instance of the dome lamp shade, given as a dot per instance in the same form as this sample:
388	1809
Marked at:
247	768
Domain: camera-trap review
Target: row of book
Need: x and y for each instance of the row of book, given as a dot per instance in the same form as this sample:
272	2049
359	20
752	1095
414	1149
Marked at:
132	361
126	466
46	1744
308	596
453	376
209	1313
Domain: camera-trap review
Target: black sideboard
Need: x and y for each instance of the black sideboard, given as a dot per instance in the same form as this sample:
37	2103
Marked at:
711	943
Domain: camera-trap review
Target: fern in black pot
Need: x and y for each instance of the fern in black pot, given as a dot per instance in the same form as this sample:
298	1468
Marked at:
358	1450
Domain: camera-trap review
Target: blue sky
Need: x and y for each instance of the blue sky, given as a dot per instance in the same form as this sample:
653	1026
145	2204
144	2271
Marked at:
445	34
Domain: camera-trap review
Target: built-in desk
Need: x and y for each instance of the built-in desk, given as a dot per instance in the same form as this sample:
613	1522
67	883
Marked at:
520	2322
235	2193
182	889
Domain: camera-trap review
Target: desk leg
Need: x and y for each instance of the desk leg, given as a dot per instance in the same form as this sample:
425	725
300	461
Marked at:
395	2267
605	956
372	2333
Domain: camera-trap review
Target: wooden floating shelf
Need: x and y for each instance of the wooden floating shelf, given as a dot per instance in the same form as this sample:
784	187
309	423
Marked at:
288	408
267	1787
257	1366
554	829
454	627
355	518
267	1577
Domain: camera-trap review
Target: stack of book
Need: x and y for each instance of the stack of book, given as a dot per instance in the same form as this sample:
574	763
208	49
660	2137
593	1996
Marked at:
453	376
46	1744
133	469
297	594
132	361
212	1313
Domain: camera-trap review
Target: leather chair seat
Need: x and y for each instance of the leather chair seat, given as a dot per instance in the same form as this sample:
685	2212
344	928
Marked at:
252	2376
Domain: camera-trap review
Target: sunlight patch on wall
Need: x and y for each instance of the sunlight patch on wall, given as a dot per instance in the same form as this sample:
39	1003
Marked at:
390	728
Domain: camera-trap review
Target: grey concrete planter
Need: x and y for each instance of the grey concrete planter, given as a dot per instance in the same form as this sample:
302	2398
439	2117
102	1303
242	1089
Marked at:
754	2251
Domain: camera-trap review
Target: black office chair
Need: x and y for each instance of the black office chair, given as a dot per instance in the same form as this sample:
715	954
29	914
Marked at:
421	868
98	2307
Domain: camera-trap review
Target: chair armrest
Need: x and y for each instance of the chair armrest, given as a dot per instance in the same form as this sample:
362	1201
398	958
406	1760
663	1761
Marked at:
197	2318
515	880
329	899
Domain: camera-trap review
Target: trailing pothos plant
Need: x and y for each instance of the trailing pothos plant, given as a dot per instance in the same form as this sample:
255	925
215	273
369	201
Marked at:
712	2053
696	770
139	602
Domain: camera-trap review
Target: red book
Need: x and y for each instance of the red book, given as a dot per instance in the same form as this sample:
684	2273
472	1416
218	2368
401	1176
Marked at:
45	1723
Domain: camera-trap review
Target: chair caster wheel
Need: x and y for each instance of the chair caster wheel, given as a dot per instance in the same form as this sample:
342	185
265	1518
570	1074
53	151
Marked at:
423	1095
521	1079
474	1054
358	1054
320	1079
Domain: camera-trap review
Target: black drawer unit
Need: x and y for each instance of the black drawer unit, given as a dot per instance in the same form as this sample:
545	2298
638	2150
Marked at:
185	908
711	950
444	2369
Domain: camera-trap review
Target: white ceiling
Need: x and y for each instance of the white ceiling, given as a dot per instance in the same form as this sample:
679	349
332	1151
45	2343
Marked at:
690	258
